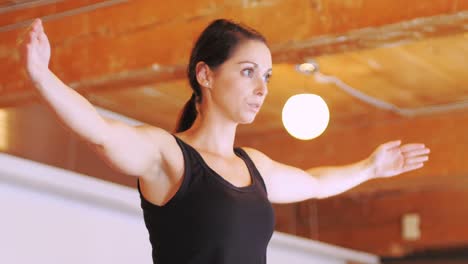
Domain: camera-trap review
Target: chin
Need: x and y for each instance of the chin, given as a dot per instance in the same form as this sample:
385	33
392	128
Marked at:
247	119
246	122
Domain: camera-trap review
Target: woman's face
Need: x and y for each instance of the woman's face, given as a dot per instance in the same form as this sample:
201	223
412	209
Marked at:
240	84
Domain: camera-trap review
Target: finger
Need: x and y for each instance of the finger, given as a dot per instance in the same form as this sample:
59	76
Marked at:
391	144
411	147
412	167
42	35
42	38
40	26
36	23
33	34
31	37
416	160
31	40
417	152
37	29
33	26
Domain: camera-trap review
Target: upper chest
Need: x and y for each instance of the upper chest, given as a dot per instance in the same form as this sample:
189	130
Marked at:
235	170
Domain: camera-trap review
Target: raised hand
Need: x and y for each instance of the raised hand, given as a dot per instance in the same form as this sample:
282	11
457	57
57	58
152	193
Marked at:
392	158
35	50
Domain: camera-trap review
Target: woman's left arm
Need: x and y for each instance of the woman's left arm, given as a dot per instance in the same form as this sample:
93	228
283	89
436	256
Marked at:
287	184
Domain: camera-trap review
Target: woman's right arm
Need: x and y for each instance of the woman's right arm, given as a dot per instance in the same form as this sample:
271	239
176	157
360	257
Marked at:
131	150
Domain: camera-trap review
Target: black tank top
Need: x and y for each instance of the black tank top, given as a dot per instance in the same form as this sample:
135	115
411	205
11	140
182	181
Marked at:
209	220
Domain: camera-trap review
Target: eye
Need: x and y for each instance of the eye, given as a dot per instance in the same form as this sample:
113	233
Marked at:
267	78
249	72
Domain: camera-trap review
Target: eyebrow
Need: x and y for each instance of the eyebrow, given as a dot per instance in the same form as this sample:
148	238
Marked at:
255	64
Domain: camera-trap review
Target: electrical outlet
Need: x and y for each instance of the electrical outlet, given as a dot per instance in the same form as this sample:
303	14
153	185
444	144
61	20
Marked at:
410	227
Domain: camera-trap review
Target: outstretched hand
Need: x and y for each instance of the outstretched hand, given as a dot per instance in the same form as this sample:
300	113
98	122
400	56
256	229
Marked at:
35	49
392	158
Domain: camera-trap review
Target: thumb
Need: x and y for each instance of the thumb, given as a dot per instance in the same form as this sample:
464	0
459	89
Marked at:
391	144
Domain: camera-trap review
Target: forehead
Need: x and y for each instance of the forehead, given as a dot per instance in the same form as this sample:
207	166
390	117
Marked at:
254	51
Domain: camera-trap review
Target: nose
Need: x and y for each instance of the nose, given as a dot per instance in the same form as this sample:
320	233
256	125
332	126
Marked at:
261	88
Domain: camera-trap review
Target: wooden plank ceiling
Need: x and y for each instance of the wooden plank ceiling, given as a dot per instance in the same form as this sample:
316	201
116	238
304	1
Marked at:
130	57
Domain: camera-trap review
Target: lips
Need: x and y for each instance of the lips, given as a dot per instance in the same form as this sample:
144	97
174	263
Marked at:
254	106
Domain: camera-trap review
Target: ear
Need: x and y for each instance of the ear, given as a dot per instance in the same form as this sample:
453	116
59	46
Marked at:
204	74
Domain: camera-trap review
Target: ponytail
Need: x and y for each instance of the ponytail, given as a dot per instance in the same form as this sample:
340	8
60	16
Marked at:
188	115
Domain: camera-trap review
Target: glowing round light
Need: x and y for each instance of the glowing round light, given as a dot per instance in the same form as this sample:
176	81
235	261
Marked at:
305	116
308	67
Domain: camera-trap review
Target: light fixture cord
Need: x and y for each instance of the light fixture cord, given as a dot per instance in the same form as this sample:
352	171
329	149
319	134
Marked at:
407	112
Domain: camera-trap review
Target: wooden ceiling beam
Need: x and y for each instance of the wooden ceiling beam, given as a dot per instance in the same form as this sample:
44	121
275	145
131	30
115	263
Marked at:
89	46
372	37
122	80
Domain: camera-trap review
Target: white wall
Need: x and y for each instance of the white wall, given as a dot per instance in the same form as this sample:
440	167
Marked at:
49	215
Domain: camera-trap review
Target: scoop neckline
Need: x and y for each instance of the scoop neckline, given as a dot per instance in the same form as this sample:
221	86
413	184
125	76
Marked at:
220	178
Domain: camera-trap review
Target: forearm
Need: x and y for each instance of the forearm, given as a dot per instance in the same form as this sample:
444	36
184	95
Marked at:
338	179
73	110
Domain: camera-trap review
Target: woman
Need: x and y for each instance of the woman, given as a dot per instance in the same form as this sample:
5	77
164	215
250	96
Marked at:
205	201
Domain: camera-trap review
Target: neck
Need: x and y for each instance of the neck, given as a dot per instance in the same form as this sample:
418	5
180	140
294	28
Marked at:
213	134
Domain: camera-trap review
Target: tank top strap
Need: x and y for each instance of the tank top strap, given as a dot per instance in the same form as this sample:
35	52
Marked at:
251	165
191	156
192	161
186	151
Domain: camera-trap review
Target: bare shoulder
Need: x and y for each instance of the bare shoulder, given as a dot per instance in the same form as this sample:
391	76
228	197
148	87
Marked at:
254	153
260	159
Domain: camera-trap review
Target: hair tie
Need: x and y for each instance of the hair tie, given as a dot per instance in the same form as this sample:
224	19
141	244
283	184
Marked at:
195	98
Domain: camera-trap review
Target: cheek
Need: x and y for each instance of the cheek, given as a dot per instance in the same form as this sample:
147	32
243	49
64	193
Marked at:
233	87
